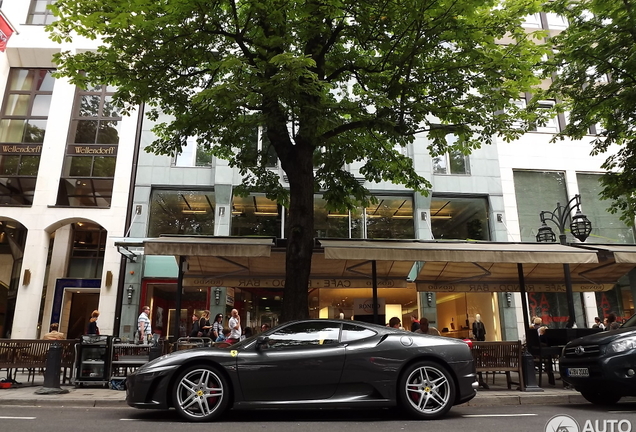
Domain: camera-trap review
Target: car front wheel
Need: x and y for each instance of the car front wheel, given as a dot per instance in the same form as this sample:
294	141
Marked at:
427	390
600	398
201	393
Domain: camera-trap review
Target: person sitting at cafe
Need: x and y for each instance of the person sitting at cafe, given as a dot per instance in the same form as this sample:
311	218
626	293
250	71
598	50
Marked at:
53	334
224	335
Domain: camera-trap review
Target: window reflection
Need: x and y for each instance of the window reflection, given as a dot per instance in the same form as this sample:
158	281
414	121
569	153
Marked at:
459	218
181	212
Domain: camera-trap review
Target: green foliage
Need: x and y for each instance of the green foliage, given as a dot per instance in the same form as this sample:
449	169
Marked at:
333	82
600	43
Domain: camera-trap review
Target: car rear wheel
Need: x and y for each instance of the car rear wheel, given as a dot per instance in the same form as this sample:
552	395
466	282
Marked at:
600	398
427	390
201	393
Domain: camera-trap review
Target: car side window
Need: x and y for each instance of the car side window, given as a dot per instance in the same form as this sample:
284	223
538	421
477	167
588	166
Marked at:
304	335
352	332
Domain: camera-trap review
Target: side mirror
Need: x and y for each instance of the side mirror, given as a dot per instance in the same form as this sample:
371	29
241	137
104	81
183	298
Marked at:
261	340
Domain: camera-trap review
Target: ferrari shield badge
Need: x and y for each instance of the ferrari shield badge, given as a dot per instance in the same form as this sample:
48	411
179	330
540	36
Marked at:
234	353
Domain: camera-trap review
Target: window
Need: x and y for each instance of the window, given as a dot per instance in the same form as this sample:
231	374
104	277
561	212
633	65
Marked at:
551	124
352	332
39	14
23	124
459	218
193	155
556	22
181	212
87	256
390	218
607	227
255	215
261	150
453	162
532	21
536	191
312	334
91	151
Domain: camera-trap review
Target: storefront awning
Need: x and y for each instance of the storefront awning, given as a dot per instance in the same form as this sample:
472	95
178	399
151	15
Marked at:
209	246
489	267
618	252
439	251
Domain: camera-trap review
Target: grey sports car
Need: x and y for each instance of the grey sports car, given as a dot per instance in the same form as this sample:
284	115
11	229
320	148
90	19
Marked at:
311	364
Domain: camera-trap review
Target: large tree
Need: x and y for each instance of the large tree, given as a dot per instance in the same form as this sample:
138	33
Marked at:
330	82
595	75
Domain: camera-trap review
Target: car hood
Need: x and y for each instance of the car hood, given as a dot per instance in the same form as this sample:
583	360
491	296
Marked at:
178	357
604	337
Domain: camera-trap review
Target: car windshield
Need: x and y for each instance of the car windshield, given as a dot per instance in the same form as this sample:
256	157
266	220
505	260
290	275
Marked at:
630	322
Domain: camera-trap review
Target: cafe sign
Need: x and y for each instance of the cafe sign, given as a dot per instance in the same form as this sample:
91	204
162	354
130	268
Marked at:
280	282
503	287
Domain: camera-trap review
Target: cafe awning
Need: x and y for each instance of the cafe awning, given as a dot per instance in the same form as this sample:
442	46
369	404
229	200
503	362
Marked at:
620	253
448	266
209	246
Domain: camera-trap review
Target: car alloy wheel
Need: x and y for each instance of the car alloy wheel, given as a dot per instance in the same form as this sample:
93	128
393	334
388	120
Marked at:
201	393
428	390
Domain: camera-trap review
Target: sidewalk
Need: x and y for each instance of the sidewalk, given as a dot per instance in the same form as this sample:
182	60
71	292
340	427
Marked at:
498	394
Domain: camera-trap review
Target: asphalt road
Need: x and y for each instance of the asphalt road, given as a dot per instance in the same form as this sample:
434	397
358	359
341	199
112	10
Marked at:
517	418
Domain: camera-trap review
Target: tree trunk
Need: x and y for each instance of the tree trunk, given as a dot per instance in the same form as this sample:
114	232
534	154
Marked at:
300	237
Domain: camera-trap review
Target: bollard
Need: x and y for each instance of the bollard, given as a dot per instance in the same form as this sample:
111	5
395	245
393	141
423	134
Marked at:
52	372
155	352
529	378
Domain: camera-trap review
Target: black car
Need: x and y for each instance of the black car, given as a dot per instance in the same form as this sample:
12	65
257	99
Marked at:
602	366
311	364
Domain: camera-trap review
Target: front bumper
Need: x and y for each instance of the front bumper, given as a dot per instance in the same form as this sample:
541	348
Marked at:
149	390
606	373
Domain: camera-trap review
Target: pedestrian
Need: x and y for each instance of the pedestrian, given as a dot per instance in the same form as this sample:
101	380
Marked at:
598	324
204	323
235	327
196	331
217	326
395	323
143	325
415	323
426	329
264	327
92	328
53	334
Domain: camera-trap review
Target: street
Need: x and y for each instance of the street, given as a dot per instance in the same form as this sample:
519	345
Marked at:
517	418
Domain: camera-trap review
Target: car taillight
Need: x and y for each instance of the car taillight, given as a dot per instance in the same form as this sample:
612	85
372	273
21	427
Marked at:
469	342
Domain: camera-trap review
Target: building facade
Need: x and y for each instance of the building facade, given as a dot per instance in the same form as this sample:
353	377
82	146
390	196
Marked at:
72	228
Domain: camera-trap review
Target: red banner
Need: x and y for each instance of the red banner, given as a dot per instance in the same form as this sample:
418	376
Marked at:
5	33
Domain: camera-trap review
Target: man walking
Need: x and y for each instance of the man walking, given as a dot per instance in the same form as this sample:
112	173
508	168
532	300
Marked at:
235	327
143	325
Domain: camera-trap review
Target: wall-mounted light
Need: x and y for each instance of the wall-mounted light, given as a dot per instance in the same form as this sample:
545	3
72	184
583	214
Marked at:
27	277
429	298
217	295
221	211
130	290
423	215
109	278
509	299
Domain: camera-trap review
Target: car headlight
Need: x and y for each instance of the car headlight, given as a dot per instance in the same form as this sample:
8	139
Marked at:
622	345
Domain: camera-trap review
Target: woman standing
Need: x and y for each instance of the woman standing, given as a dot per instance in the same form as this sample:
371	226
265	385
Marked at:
92	328
195	326
217	327
204	323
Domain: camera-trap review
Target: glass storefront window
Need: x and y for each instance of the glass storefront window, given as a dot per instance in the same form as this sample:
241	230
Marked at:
459	218
181	212
390	218
255	215
606	227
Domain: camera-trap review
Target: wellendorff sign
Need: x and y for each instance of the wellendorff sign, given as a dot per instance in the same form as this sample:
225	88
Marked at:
92	150
21	149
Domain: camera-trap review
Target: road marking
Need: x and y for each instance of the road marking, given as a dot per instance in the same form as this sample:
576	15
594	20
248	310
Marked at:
16	418
128	419
621	412
500	415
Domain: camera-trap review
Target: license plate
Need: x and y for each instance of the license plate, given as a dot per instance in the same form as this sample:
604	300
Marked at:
578	372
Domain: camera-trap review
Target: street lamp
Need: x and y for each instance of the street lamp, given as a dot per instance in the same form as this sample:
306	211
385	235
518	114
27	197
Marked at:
580	227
